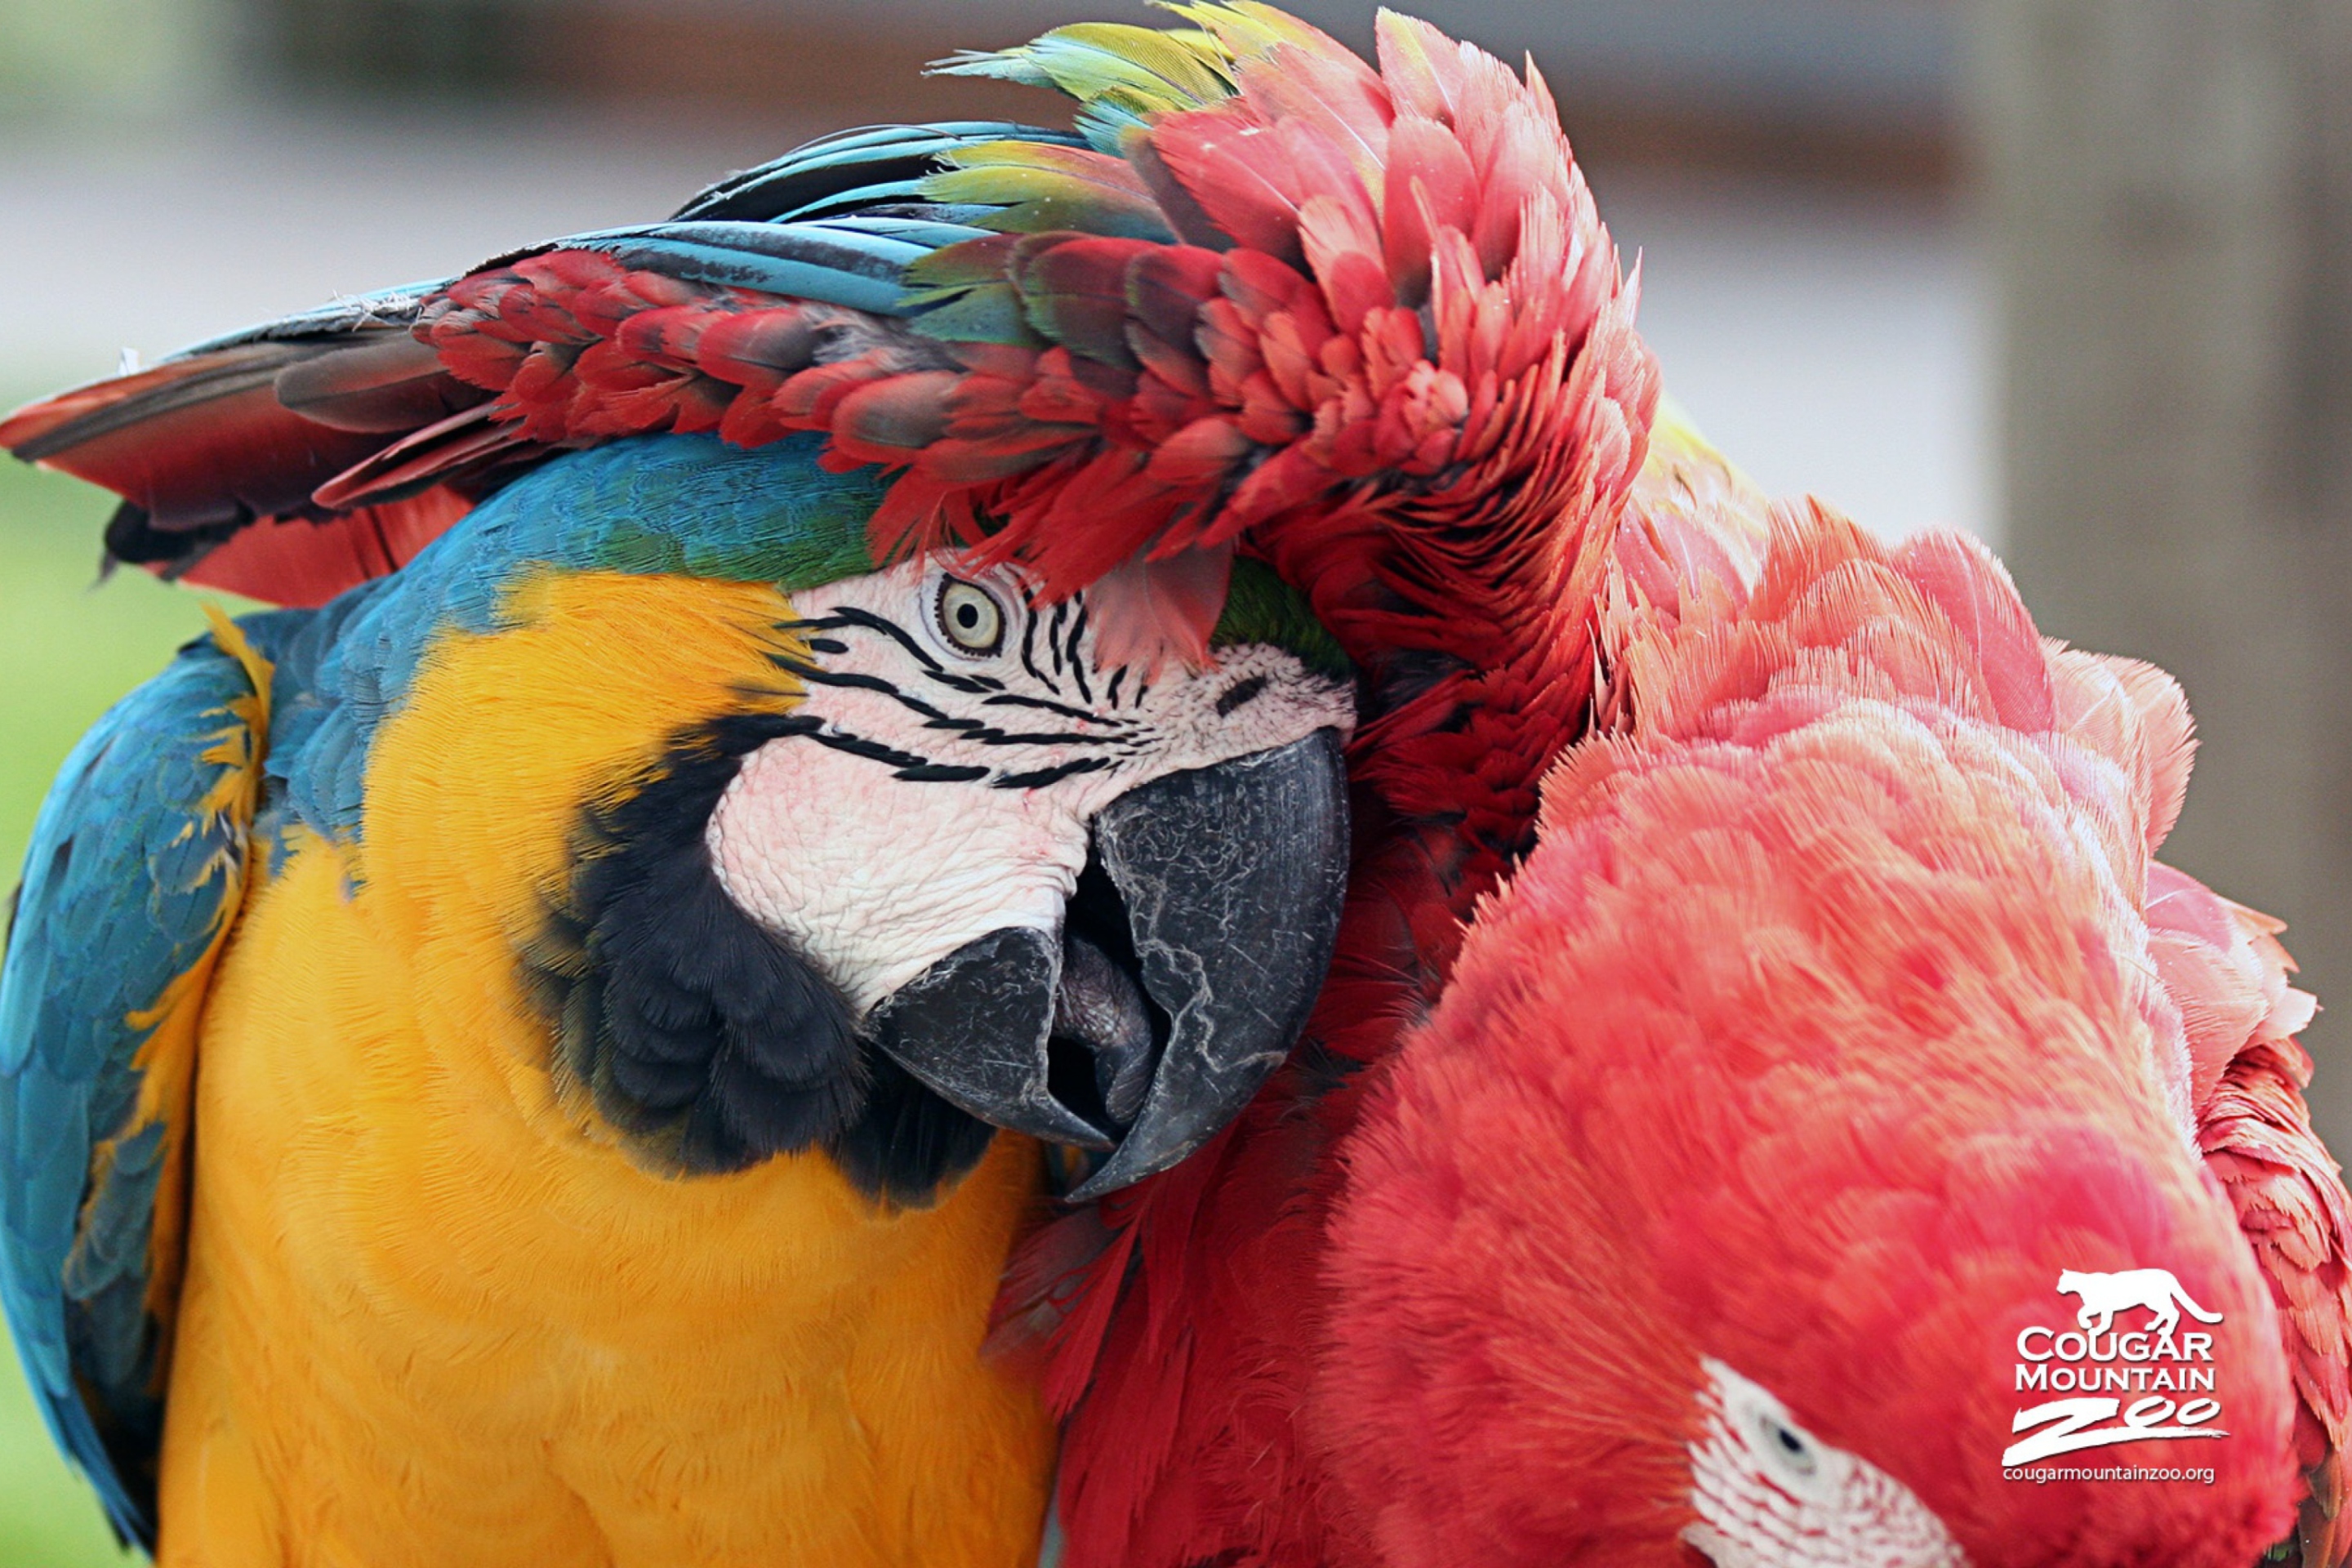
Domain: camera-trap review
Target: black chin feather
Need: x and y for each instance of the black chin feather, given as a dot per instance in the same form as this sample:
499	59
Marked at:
700	1032
907	1143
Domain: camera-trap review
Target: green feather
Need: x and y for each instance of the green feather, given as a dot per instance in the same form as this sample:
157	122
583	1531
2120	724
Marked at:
963	294
1041	188
1260	607
1123	76
990	313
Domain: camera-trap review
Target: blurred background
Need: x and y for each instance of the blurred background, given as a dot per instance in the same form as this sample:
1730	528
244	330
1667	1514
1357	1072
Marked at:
2070	274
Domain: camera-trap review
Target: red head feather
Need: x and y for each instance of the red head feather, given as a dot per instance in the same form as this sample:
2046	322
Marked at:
1362	323
1411	384
1377	336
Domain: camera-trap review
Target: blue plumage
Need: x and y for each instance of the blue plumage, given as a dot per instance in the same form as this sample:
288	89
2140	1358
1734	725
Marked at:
853	263
683	505
878	165
131	874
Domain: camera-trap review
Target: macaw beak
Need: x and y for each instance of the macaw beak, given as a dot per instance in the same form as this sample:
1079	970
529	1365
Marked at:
1188	958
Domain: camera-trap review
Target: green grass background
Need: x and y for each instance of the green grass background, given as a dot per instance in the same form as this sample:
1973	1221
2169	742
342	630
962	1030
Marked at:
69	648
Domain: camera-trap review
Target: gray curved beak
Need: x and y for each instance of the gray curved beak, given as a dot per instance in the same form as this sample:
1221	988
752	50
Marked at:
1190	958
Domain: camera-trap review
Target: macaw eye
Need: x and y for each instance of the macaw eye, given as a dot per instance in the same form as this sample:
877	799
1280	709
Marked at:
1786	1444
969	617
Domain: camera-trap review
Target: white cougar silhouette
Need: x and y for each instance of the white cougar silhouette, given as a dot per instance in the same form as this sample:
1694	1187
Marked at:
2104	1295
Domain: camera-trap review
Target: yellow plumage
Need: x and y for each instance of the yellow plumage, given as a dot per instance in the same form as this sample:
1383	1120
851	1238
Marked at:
434	1313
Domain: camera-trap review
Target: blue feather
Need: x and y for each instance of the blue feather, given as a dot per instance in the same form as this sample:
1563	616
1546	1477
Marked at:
821	170
839	263
688	505
125	884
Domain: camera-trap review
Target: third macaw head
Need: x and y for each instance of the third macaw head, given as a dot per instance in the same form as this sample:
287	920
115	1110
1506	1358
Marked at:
1727	1206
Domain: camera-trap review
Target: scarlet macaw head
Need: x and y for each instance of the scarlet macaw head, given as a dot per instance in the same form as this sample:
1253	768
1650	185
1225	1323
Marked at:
1720	1211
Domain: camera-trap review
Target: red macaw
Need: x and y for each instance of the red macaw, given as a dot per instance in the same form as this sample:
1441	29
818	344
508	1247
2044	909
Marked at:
1840	1026
1174	1325
1722	1207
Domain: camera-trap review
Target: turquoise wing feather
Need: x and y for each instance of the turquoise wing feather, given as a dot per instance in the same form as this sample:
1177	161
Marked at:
134	875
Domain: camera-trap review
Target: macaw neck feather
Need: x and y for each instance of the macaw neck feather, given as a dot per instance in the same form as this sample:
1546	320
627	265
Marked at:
685	505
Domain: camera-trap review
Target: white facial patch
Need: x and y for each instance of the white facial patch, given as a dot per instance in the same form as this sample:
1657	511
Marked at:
959	739
1770	1494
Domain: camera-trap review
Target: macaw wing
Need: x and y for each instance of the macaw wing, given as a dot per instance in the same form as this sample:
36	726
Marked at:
133	879
2289	1196
2224	969
1153	340
242	428
227	454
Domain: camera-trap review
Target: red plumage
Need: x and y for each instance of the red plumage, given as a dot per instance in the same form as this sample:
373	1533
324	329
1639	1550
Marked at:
216	442
2224	967
1840	1009
1513	382
293	562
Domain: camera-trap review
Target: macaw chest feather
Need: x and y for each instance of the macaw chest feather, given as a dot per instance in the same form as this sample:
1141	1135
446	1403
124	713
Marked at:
576	1357
592	1327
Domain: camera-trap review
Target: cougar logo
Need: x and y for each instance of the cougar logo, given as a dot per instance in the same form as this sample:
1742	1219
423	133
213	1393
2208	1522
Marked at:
2104	1295
2136	1385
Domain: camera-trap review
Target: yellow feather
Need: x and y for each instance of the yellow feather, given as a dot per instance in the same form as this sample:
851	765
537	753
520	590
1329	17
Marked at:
434	1314
166	1059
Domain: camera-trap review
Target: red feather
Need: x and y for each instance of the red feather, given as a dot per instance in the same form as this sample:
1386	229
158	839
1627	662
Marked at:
1183	1441
1712	1078
2225	969
197	444
458	445
301	564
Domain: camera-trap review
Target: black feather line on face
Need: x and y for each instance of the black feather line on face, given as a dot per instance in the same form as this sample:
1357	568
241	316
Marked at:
1078	660
1029	646
1114	733
697	1032
1015	700
850	615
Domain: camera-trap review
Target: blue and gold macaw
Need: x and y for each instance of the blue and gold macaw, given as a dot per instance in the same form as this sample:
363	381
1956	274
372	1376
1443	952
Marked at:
536	1051
506	1064
495	1066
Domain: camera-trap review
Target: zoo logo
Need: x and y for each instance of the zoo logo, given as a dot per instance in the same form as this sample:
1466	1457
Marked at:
2095	1358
